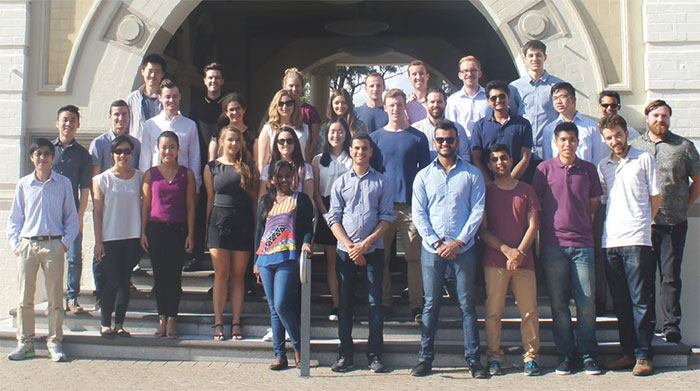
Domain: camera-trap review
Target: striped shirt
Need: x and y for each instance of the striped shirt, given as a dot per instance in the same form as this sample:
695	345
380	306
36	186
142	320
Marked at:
43	208
627	186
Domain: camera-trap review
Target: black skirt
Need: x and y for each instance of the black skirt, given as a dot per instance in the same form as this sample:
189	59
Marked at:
324	235
230	228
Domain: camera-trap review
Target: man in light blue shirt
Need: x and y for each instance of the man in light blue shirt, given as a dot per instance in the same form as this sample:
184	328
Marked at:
43	224
361	210
447	208
469	104
530	95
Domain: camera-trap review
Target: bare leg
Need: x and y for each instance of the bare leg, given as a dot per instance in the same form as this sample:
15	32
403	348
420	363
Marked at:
222	272
332	277
238	265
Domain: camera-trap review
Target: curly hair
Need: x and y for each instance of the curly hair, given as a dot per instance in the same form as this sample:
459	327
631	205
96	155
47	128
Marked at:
274	116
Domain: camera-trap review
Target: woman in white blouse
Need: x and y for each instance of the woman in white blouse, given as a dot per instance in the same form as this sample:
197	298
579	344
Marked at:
284	111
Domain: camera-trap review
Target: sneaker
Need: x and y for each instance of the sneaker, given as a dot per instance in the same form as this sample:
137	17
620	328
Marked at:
495	368
376	365
672	336
192	265
423	368
342	365
624	362
56	354
564	367
643	368
73	306
532	368
333	315
21	352
268	335
477	370
591	367
417	314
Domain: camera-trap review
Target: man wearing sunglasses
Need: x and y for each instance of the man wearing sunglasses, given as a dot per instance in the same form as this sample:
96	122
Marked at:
610	103
448	207
502	127
101	153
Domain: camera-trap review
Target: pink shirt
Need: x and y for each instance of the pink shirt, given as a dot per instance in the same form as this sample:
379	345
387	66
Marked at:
169	199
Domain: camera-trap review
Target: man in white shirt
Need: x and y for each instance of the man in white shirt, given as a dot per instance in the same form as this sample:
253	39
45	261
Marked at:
171	119
591	147
436	101
469	104
632	197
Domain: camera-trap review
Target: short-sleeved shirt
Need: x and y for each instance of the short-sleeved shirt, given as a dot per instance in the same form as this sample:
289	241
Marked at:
516	134
627	186
374	117
74	162
507	213
566	192
403	154
101	151
121	216
677	160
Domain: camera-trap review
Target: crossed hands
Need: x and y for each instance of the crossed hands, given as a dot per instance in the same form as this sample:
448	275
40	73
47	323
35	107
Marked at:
357	252
514	258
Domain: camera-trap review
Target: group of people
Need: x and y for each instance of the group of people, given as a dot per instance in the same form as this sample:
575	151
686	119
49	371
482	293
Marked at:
470	181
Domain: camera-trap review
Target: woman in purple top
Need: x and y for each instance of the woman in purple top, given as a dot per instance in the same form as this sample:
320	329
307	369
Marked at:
167	232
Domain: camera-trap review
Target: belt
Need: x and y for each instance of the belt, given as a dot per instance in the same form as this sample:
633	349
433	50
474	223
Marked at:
44	238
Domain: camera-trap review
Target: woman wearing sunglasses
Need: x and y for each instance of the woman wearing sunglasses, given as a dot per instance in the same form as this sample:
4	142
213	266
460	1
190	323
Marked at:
117	224
283	112
285	228
286	146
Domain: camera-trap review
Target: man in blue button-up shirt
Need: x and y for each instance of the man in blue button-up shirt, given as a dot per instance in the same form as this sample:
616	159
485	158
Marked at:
42	226
448	207
362	208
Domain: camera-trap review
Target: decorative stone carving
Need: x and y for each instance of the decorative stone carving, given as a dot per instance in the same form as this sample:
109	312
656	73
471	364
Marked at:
534	24
540	20
128	29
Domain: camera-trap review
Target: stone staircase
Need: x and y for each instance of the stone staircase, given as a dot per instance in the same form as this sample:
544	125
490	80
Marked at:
401	333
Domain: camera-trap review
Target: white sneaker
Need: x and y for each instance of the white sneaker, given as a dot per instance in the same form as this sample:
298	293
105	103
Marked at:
268	336
56	354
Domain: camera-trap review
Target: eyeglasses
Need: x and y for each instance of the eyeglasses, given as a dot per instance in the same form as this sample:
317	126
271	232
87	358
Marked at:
610	105
465	71
497	97
125	151
39	154
287	103
288	141
443	140
560	98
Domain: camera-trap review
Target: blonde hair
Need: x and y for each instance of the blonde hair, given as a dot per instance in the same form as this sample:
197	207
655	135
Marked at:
292	72
274	116
242	162
470	58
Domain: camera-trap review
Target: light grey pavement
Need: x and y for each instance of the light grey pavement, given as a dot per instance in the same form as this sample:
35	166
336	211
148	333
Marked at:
41	374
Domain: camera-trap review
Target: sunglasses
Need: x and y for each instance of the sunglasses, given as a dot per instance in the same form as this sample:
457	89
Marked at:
611	105
288	141
288	103
125	151
497	97
38	154
443	140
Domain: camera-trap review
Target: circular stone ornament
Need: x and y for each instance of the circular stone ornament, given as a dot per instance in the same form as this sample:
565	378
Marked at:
533	24
130	29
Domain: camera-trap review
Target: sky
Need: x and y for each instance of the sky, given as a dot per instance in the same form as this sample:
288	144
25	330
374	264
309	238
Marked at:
396	80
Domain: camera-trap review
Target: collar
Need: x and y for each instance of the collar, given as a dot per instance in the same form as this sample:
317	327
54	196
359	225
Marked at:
414	97
648	139
576	162
493	117
463	94
165	116
57	143
578	117
36	180
353	173
436	162
542	79
206	99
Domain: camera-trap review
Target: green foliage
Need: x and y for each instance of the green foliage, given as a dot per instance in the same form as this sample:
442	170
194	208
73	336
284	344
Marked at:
353	77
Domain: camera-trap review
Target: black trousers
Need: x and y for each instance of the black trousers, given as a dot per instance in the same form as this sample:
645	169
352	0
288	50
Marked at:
116	265
668	243
166	245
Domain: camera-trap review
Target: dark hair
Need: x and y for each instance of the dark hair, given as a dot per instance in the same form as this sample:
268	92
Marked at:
326	155
70	108
362	136
497	85
534	44
41	142
655	104
119	103
225	101
437	91
493	148
297	157
153	59
349	117
169	134
562	85
610	93
268	200
611	121
446	125
120	140
168	83
215	66
565	126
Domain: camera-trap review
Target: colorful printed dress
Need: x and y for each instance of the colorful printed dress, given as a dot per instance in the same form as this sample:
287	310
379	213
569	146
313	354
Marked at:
278	242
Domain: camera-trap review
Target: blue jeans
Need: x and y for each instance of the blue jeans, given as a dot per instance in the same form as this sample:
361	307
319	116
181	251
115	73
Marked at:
280	282
570	271
372	275
433	281
630	272
74	258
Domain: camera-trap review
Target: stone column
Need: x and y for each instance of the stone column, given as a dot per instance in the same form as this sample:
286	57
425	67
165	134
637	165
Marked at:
320	87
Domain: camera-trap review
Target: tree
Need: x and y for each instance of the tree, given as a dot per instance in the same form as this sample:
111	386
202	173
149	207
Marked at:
353	77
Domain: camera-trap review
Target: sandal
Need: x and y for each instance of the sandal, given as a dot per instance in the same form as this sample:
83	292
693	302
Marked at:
123	333
162	327
171	332
236	335
106	332
219	336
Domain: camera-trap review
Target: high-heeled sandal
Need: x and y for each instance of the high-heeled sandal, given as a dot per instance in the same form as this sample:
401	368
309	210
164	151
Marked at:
160	333
219	336
171	334
236	335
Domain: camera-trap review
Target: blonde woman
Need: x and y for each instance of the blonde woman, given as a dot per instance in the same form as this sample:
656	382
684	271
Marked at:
293	81
284	111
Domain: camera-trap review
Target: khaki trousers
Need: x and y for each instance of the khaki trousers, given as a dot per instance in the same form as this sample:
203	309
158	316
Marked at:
412	243
525	289
50	256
